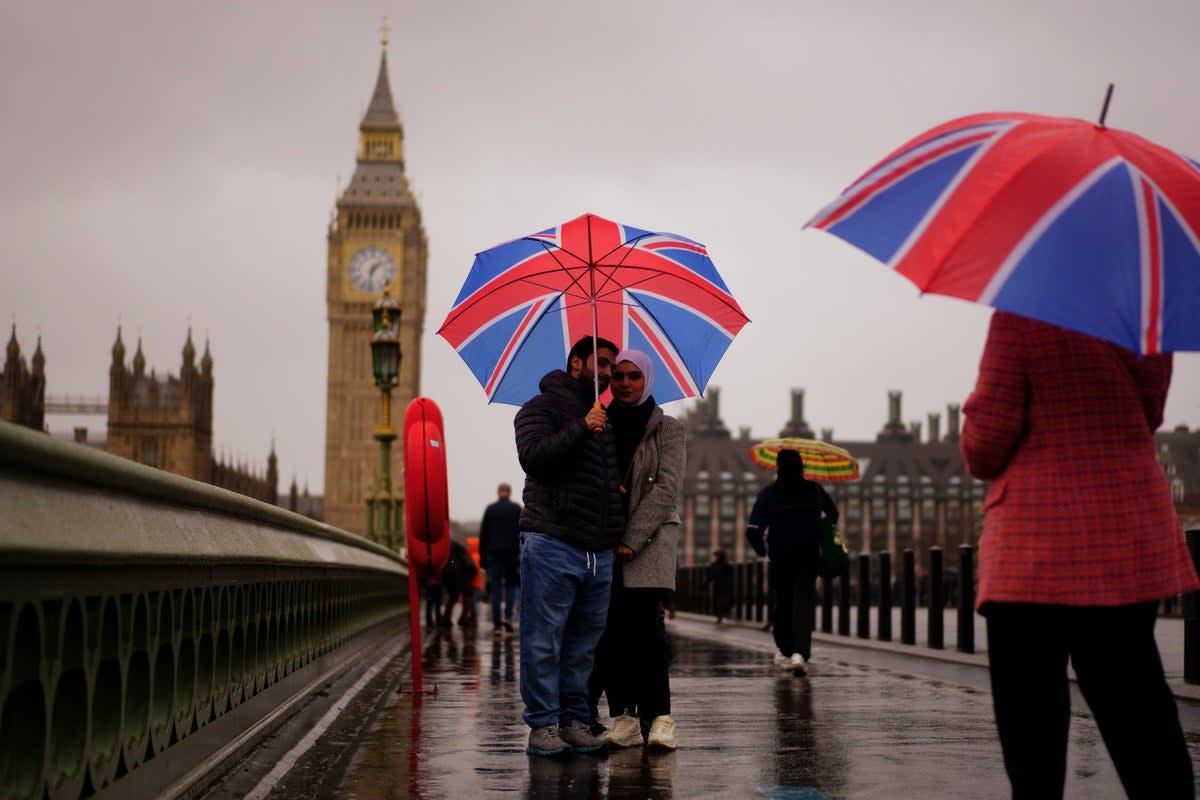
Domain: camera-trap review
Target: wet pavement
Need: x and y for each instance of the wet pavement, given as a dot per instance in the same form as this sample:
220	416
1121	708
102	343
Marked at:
863	724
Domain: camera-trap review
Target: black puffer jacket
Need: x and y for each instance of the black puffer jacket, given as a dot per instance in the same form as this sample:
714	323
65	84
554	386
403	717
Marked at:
572	489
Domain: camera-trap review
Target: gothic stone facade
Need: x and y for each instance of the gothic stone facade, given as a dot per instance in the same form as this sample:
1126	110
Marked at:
22	389
913	491
167	422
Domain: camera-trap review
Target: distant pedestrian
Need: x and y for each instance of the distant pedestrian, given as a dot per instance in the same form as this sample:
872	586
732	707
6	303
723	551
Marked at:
633	657
1080	542
457	577
433	601
500	557
572	519
719	575
785	526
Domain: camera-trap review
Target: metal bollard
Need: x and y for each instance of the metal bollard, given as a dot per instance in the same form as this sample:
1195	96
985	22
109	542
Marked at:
826	605
966	598
1191	617
937	599
864	595
739	590
844	602
908	600
760	596
885	596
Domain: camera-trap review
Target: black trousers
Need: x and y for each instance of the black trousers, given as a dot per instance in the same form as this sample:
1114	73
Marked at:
633	656
795	607
1120	674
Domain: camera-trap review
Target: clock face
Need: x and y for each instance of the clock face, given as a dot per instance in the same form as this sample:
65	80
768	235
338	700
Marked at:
372	268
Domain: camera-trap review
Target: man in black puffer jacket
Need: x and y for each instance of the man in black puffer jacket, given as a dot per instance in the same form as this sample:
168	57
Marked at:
572	519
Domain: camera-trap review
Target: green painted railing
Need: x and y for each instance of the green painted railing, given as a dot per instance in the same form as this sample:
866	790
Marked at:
149	622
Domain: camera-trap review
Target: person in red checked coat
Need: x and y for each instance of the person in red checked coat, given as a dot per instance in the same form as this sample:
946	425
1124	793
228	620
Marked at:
1080	542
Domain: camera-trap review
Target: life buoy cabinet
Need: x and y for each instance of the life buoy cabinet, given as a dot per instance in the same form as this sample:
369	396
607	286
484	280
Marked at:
426	497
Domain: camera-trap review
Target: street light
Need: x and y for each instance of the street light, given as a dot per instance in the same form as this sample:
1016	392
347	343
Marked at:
384	507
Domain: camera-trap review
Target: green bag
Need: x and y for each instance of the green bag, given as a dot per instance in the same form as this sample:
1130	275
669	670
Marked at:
835	558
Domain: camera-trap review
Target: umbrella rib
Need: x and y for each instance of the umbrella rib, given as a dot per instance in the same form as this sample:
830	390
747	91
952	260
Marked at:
528	279
629	245
655	272
575	280
533	324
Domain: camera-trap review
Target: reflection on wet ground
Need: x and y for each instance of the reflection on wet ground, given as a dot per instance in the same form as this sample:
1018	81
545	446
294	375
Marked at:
849	730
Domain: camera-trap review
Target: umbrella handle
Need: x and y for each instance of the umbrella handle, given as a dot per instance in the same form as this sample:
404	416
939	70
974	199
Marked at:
597	405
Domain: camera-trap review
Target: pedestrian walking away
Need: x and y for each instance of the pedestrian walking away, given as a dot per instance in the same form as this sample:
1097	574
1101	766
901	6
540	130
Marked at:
719	575
785	526
572	518
500	557
1080	542
633	657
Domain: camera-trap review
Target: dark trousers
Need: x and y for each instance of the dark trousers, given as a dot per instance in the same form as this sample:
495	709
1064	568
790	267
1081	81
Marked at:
433	604
794	609
633	657
1120	675
503	577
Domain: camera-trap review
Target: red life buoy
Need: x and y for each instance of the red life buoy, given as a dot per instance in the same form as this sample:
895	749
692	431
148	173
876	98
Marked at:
426	497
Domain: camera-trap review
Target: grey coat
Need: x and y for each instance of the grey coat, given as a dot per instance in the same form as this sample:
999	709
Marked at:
652	529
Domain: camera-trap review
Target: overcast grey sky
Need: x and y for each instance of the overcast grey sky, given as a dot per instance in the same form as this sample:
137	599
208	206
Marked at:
171	161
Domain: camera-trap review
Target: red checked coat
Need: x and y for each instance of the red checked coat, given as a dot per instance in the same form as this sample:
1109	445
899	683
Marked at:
1079	512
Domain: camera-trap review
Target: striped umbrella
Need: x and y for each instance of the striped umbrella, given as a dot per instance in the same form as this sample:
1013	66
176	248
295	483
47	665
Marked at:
822	461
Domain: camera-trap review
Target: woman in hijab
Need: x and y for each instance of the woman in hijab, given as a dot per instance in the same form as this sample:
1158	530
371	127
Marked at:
785	526
633	655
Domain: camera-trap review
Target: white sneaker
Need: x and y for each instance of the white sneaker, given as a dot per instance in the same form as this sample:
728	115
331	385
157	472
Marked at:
798	664
626	732
782	661
662	734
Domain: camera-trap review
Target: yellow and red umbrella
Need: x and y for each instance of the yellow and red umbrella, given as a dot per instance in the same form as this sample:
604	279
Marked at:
822	461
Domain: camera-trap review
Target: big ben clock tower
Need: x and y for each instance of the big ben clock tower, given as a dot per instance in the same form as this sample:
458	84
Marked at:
376	240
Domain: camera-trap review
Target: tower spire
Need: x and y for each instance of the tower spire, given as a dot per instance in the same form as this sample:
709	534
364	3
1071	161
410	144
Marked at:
381	113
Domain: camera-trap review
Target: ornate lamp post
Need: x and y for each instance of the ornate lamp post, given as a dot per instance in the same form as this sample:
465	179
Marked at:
383	510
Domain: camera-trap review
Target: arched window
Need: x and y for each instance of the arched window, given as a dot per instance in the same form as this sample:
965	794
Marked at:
149	455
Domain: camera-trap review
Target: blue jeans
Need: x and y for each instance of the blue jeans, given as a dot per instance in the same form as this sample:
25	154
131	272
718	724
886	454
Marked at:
564	605
502	585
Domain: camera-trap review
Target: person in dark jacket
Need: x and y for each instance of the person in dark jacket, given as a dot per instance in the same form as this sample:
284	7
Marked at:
720	577
572	519
785	526
500	556
457	577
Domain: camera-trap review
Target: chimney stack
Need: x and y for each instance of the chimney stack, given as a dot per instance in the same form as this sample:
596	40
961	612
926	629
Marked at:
952	422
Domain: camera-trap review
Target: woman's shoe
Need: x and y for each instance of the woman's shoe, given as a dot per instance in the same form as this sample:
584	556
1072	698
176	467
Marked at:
662	734
626	732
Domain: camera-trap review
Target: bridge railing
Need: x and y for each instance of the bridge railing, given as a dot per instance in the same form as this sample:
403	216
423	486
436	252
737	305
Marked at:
862	589
152	627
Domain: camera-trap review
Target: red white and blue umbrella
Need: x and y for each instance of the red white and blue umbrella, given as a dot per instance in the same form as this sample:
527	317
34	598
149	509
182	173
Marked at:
1062	220
525	302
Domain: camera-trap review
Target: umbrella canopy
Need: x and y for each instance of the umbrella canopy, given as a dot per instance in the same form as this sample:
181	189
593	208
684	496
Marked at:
1062	220
525	302
822	461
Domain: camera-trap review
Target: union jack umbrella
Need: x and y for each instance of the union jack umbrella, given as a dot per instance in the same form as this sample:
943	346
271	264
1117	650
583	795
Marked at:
525	302
1062	220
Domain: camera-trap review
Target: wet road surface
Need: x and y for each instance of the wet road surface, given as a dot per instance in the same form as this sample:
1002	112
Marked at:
861	725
